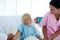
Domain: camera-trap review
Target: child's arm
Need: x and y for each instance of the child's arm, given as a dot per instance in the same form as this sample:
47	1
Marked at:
10	36
16	36
55	34
45	33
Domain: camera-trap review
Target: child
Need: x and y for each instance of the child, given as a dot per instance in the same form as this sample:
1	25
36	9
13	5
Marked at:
26	29
50	21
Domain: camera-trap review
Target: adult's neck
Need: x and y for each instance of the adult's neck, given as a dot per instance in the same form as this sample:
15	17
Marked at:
57	16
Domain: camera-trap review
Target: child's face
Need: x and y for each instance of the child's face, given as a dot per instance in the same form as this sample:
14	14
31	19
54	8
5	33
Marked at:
28	21
54	10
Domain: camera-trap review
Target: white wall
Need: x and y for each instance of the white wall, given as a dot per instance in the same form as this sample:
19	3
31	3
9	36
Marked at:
19	7
7	7
34	7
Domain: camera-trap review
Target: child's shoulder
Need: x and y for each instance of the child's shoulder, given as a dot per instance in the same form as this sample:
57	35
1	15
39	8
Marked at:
21	25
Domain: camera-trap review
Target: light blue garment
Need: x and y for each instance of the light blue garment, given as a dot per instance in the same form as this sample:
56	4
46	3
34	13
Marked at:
27	31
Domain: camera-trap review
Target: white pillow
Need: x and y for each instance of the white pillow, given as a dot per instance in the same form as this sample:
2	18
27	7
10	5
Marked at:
12	29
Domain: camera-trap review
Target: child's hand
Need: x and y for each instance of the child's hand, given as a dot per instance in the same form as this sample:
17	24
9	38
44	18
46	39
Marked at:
10	36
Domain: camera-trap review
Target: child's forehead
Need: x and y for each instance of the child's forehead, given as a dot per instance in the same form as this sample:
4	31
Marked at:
27	18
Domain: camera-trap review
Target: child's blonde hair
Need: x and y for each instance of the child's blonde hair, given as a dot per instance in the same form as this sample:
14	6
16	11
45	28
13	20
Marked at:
26	15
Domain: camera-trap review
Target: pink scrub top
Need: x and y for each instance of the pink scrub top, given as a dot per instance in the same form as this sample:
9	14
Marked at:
51	24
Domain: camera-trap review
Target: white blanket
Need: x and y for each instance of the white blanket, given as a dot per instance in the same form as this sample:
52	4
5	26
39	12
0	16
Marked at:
39	30
3	36
31	38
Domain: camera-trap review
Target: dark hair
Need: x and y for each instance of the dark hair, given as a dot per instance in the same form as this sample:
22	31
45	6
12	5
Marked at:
55	3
